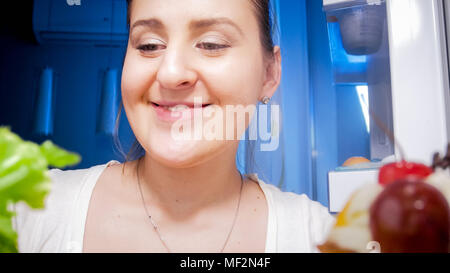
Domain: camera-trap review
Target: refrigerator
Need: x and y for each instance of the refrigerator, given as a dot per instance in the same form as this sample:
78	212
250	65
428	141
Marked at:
394	55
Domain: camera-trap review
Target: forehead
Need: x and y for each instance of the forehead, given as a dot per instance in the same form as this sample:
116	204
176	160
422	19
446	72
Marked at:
179	13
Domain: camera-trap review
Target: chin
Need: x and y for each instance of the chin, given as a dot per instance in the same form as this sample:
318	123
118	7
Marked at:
177	161
162	148
182	154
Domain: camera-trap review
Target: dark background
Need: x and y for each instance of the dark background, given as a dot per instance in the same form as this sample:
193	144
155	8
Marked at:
78	75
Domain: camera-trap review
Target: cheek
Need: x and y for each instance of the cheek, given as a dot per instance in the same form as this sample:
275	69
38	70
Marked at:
136	81
137	77
235	79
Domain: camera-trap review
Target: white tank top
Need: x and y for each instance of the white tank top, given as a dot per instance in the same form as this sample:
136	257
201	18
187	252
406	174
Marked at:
295	223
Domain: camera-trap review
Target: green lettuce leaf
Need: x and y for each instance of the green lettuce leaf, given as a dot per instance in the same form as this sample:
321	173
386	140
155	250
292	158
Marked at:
24	178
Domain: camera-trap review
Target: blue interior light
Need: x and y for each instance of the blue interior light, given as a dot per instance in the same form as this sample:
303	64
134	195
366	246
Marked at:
43	123
109	103
363	95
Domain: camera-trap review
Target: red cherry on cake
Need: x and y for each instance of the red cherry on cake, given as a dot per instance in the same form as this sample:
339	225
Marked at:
401	170
410	216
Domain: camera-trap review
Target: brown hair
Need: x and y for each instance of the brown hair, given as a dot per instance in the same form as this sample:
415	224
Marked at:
267	24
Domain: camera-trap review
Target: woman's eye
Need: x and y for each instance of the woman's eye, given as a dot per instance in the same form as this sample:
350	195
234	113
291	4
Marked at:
212	46
150	47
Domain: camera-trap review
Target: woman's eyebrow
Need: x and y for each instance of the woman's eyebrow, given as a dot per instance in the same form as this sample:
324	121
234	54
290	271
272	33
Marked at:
156	24
205	23
148	23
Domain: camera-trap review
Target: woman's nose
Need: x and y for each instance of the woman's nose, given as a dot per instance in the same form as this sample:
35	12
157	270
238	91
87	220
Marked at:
175	71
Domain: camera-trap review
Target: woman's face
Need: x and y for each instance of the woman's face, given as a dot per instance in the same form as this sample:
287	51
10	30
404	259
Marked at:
180	52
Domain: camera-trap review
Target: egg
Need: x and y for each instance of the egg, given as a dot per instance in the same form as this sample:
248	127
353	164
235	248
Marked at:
355	160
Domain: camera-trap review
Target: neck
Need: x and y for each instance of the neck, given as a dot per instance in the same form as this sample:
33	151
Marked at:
183	191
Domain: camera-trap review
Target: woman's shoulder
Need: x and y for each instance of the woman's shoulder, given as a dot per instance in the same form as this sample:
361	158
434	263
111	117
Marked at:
66	185
301	223
70	189
74	183
290	200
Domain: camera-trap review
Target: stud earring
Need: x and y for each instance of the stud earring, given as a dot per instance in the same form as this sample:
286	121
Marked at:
265	100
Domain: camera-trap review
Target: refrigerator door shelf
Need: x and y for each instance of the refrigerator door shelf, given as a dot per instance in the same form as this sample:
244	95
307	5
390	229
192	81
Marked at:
329	5
342	184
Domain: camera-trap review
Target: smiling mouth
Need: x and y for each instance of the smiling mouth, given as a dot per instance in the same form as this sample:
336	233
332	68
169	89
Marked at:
179	107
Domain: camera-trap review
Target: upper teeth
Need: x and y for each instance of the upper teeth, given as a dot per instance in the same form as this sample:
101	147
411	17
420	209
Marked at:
176	107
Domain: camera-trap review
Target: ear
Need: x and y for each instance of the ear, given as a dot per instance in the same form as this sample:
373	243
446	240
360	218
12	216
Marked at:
273	74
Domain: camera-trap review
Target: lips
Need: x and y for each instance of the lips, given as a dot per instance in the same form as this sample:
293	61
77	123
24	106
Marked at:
179	105
172	111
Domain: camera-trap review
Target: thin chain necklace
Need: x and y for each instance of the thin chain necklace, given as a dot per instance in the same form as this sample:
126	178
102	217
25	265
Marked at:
155	226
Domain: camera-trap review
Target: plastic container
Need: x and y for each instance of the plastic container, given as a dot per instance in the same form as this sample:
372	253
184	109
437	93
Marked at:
362	29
